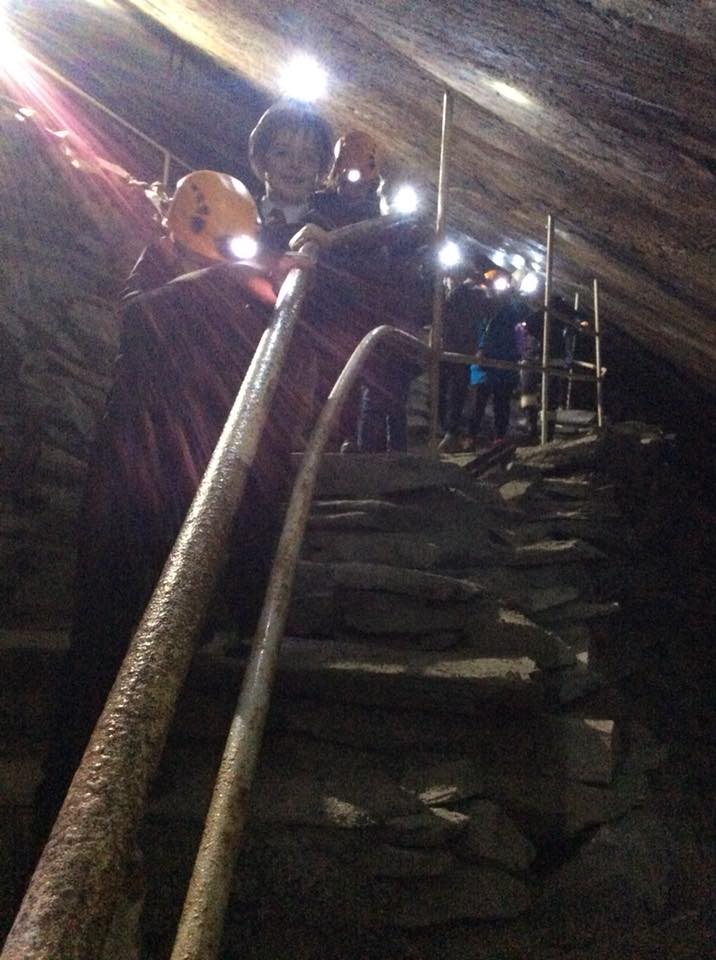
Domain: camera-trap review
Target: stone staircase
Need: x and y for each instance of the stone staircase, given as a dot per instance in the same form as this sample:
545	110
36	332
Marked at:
442	748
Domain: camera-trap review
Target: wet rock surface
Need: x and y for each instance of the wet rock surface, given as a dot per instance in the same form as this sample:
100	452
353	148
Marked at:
71	233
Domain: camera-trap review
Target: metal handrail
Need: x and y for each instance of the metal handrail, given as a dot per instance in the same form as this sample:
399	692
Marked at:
201	923
560	372
72	894
598	355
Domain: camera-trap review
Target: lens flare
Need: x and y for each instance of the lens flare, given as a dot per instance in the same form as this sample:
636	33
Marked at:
243	247
405	200
450	254
303	78
529	284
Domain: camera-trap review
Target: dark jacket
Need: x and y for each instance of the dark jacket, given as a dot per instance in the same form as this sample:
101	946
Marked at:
498	339
463	318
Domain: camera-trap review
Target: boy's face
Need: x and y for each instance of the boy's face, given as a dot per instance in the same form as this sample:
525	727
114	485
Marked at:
292	166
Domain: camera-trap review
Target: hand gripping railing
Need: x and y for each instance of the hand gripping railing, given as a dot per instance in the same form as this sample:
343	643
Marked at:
201	923
72	894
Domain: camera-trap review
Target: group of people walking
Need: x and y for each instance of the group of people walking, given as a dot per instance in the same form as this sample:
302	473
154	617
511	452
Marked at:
484	316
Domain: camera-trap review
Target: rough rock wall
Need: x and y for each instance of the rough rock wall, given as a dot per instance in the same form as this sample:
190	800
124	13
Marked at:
70	233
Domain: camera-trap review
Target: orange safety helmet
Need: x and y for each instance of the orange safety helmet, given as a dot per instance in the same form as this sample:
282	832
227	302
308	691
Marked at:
494	272
498	278
208	211
356	151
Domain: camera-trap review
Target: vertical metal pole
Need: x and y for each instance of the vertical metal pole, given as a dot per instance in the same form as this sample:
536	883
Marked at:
436	329
598	356
545	329
165	168
573	335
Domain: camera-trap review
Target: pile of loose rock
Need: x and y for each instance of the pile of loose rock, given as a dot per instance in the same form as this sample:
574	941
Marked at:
447	748
450	767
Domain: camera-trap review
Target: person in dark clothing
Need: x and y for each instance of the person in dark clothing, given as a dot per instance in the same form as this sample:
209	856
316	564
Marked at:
351	194
577	345
290	151
528	335
462	318
188	337
345	305
504	309
374	419
353	188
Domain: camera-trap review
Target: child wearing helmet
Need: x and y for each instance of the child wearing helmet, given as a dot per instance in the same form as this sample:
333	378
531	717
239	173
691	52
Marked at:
352	192
290	152
353	188
211	219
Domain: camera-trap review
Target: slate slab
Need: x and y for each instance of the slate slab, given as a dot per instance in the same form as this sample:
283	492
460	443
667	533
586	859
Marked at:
369	475
492	835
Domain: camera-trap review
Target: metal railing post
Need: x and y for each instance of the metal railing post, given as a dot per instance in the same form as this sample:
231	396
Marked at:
568	392
71	896
545	329
436	328
598	356
166	167
201	923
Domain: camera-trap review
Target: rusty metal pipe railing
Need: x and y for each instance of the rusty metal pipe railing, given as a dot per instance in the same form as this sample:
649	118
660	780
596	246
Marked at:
200	927
72	894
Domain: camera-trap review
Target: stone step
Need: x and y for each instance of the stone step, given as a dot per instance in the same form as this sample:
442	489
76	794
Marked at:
371	475
402	581
452	681
337	765
362	515
561	456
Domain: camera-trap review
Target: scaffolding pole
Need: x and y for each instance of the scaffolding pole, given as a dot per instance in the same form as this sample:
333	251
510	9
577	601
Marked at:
568	396
436	329
598	356
545	329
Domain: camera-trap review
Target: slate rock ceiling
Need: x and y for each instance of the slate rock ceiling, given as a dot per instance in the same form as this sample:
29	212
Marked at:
617	138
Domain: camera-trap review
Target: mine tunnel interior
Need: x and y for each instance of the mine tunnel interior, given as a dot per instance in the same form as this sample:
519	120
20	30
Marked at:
493	723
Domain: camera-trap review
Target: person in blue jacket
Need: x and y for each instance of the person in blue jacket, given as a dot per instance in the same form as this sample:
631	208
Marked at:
504	309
